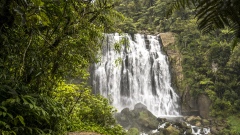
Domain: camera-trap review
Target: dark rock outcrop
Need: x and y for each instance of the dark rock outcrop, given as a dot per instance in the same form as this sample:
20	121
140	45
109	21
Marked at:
139	118
204	104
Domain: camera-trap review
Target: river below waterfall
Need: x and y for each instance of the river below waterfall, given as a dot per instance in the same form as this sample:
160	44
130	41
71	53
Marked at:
139	73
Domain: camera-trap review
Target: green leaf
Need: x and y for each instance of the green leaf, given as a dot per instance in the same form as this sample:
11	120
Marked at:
10	115
3	108
4	124
21	119
30	130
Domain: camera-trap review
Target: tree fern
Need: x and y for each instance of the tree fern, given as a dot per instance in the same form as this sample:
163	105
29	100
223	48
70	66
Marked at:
213	14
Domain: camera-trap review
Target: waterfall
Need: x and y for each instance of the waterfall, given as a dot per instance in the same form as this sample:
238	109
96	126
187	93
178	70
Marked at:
139	73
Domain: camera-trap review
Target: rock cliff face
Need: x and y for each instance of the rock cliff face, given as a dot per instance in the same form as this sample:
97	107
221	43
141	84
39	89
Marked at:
189	105
168	41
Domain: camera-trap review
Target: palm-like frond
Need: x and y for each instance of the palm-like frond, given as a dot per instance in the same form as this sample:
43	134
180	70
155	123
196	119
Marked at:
213	14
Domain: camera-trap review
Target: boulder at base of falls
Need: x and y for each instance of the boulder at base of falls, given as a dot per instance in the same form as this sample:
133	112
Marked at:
194	120
170	130
139	118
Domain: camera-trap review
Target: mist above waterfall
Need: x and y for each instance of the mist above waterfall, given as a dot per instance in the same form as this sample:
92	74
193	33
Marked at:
141	76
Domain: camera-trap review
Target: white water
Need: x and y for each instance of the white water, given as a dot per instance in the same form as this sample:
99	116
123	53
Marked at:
199	130
142	75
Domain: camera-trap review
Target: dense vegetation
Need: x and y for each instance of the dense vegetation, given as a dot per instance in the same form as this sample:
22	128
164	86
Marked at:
44	45
213	15
210	63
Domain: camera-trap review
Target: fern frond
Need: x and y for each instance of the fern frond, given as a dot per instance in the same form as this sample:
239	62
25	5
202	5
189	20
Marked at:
213	14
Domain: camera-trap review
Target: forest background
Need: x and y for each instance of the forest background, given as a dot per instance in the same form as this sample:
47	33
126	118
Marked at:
47	46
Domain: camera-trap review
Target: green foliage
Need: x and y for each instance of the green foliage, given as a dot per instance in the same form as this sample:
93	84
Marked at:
219	54
42	43
133	131
232	128
221	108
115	130
144	16
31	114
234	122
86	112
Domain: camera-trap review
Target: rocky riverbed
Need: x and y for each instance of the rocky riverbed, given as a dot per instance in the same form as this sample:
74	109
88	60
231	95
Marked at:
140	120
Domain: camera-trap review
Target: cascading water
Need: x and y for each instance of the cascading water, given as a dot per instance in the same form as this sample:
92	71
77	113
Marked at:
142	76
